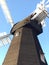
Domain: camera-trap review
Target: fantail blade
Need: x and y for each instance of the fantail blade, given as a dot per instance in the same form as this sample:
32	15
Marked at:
47	6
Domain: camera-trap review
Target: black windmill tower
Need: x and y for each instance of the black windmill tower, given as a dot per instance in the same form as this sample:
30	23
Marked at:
25	48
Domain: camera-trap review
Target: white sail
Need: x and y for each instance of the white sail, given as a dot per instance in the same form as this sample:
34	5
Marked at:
4	39
43	1
47	2
47	6
6	11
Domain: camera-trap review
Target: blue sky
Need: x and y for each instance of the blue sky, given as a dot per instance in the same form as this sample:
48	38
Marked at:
20	9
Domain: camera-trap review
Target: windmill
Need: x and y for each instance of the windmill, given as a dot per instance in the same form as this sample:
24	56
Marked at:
9	18
25	46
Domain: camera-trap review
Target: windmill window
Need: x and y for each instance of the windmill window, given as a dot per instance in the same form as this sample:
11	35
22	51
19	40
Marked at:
42	57
17	34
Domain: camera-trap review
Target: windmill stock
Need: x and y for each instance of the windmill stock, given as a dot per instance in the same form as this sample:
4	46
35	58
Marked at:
21	32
